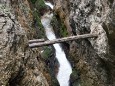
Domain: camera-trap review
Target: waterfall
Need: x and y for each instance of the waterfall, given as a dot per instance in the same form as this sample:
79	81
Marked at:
65	68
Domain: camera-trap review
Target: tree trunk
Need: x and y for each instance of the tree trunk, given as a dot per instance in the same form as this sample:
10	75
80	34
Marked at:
37	43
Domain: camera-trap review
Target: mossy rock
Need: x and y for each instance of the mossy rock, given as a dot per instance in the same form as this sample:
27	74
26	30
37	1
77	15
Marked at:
75	78
47	52
63	30
33	1
59	27
38	22
40	4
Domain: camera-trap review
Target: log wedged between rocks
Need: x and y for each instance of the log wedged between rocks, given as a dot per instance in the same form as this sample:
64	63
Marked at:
35	43
36	40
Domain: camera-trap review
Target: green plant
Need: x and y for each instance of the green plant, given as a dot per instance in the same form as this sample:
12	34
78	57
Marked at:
63	30
33	1
40	4
47	52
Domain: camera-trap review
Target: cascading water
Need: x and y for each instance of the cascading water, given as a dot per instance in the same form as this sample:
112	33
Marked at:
65	68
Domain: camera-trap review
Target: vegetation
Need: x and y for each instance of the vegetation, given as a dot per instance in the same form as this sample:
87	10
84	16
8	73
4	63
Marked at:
59	27
38	5
33	1
47	52
63	30
37	18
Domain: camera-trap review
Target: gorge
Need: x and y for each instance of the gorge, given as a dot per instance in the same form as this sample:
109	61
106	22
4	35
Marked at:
65	69
79	62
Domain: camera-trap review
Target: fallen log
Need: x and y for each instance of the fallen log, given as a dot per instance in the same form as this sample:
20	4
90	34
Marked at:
49	42
36	40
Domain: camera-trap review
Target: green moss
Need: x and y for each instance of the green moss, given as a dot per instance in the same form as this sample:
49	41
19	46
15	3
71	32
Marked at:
33	1
63	30
54	82
75	78
59	26
36	15
40	4
47	52
74	73
40	26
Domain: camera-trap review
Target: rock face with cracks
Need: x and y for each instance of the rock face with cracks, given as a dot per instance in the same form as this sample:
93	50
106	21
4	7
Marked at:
93	60
19	65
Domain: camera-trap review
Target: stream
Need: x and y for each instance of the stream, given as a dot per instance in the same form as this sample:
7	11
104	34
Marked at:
65	68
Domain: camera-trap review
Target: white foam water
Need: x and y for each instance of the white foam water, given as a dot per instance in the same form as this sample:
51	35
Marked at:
65	68
49	4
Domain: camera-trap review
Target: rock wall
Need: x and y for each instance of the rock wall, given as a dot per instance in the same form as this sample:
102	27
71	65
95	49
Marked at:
19	65
92	59
92	56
